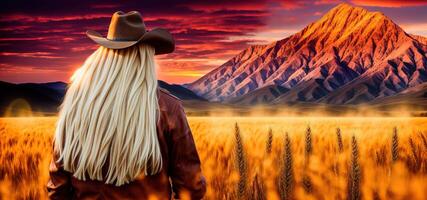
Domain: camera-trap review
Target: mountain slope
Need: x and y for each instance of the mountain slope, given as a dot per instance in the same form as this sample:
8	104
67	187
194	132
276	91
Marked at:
348	56
262	95
44	98
180	91
416	95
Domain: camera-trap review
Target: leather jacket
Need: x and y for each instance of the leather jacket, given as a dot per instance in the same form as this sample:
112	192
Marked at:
180	176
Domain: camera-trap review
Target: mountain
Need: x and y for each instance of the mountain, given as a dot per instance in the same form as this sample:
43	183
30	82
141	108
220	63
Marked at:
349	56
180	91
39	98
262	95
44	98
416	95
421	39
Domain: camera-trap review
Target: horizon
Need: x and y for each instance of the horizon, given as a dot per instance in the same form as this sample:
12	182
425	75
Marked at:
336	89
31	52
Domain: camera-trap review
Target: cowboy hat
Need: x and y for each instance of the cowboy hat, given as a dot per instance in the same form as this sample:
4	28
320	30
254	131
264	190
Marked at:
128	29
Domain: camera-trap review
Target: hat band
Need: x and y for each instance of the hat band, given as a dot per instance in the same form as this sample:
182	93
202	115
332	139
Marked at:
122	40
126	39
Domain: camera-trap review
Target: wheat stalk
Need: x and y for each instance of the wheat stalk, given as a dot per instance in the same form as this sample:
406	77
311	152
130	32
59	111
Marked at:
308	145
287	175
394	146
354	172
339	141
413	147
381	155
306	183
415	165
423	139
241	163
306	180
257	192
269	143
340	150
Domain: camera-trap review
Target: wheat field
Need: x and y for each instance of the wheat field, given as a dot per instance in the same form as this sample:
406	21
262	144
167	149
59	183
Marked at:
261	157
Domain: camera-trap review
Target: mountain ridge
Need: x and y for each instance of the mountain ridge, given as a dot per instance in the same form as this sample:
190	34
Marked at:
45	98
347	46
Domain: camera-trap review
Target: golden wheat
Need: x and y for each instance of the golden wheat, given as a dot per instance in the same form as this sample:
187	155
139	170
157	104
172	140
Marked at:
394	146
339	141
269	141
241	164
354	172
25	153
286	179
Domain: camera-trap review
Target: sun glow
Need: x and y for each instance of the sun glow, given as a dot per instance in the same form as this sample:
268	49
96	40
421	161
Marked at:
77	75
18	108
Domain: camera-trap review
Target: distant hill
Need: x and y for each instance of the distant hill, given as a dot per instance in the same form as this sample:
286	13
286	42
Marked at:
349	56
262	95
44	98
180	91
416	97
41	98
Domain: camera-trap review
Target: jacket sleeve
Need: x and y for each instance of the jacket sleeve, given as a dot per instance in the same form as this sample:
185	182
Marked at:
184	166
59	184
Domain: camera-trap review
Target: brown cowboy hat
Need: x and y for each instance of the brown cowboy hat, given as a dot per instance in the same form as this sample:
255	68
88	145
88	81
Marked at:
128	29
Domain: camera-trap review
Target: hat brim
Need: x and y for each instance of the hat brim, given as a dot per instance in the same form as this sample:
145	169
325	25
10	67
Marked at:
159	38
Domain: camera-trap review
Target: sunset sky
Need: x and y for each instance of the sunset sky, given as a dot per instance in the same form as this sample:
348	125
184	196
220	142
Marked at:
42	41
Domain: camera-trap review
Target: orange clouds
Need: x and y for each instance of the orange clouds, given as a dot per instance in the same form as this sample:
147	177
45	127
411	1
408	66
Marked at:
184	70
29	18
47	55
390	3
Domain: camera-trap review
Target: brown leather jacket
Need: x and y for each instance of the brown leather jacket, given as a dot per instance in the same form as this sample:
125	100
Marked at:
181	171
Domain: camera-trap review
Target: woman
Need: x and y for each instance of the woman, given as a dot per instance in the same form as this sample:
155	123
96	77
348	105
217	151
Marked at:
118	136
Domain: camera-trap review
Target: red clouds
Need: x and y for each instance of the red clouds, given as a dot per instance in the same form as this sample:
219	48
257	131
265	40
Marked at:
43	19
390	3
55	41
47	38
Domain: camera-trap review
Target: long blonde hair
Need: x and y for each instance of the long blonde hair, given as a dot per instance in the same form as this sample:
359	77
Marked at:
109	117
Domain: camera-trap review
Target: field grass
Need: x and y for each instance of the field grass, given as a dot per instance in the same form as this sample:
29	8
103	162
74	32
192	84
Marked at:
261	157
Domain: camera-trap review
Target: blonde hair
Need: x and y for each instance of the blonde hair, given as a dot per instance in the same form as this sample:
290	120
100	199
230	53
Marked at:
109	117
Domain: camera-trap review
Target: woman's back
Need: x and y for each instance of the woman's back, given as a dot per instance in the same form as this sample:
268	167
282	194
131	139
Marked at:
180	162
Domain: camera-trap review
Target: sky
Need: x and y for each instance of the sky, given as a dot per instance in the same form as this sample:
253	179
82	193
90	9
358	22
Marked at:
43	41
